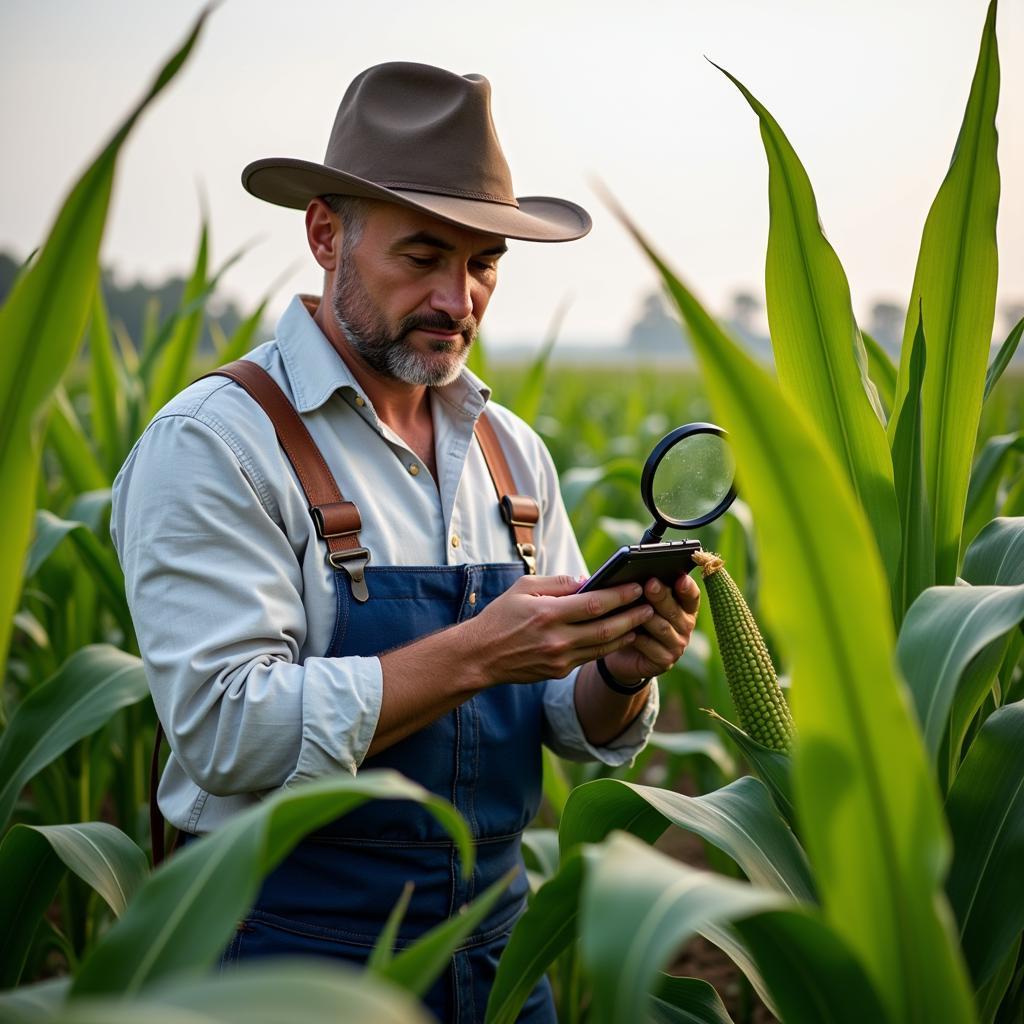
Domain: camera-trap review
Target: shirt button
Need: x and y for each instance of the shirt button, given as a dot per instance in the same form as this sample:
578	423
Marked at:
472	597
360	401
455	541
413	469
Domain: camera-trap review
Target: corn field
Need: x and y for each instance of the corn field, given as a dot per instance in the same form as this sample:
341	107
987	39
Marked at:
872	874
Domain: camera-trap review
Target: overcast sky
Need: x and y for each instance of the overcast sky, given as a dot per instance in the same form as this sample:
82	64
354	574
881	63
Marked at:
871	95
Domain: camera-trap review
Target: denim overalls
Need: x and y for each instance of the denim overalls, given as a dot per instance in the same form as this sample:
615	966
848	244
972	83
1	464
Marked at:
333	893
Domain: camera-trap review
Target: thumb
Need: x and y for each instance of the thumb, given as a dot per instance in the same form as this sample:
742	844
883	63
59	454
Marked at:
550	586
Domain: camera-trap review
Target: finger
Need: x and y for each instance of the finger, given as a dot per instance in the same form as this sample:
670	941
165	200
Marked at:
663	600
660	657
582	656
664	631
592	604
548	586
687	593
592	634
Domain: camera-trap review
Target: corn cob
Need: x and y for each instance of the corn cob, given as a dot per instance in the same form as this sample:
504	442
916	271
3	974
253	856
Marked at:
762	708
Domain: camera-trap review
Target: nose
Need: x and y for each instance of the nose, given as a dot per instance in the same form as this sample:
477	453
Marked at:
453	294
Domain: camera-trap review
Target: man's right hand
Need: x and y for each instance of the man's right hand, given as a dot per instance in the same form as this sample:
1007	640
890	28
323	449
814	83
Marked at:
540	628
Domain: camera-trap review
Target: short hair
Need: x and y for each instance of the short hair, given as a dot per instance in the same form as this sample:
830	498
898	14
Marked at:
352	212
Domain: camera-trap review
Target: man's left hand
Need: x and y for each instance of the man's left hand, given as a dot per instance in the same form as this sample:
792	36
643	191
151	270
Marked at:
661	640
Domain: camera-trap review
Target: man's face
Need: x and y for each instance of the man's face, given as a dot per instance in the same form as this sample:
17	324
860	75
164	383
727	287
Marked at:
409	296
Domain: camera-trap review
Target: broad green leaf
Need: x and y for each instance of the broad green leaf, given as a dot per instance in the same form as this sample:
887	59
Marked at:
985	478
944	629
544	931
101	855
417	968
990	995
540	852
106	389
182	916
66	436
579	483
819	354
868	807
986	815
89	687
686	1001
33	1002
697	741
882	371
740	819
555	785
30	884
656	904
773	768
727	939
955	290
269	992
1003	357
244	335
917	548
811	973
996	555
40	337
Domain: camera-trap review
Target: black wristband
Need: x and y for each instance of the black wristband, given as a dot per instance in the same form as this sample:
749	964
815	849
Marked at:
613	684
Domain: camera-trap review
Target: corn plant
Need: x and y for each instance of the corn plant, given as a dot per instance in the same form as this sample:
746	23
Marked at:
881	859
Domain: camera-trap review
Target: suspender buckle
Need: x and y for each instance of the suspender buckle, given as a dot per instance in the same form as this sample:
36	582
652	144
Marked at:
353	561
520	510
528	553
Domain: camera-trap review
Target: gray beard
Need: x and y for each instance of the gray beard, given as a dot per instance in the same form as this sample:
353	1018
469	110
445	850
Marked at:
392	355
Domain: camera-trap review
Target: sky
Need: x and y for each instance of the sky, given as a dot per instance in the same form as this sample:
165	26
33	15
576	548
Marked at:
871	95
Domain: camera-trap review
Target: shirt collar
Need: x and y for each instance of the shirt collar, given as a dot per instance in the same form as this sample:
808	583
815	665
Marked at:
315	371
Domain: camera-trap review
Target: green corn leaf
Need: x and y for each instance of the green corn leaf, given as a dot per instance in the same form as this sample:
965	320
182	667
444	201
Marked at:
997	554
67	437
955	288
656	903
740	819
477	362
417	968
810	972
540	852
944	629
819	353
40	1001
1003	357
34	859
268	992
531	392
542	933
986	815
695	742
86	691
868	807
917	548
106	390
383	951
983	492
40	337
686	1001
556	786
244	335
990	995
183	915
882	371
773	768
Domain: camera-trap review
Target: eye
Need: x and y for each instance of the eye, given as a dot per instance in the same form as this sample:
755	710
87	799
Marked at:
420	261
484	265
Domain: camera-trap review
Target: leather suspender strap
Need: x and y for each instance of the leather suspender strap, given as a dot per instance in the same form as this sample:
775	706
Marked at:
521	512
337	520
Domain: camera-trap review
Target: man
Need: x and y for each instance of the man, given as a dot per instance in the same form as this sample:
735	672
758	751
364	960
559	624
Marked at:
396	622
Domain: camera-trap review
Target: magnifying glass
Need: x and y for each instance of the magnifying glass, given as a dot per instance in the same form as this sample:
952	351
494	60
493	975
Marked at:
687	481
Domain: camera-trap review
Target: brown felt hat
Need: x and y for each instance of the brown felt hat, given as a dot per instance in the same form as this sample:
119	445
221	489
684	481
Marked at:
421	137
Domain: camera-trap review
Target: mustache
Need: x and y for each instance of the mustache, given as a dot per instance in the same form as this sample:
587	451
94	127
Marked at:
467	326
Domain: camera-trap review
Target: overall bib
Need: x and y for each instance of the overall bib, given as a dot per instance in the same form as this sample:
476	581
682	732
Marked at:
332	895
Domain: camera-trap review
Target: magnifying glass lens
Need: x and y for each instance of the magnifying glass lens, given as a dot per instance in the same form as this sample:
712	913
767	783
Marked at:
693	477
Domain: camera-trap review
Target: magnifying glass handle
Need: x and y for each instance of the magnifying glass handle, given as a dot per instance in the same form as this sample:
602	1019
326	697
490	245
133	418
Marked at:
654	534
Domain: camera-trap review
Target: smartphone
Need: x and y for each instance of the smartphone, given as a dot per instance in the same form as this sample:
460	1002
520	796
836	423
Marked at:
640	562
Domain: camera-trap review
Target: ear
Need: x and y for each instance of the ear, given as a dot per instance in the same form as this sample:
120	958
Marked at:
323	232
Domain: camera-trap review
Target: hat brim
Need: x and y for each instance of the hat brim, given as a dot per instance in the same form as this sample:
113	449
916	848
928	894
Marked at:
293	183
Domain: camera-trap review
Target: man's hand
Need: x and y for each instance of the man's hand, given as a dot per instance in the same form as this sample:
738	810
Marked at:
540	628
663	638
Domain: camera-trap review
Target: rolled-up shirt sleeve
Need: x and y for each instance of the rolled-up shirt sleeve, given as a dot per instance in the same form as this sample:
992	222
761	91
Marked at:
563	732
215	590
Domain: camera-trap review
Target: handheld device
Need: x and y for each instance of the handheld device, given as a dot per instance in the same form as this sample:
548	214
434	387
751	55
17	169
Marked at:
638	563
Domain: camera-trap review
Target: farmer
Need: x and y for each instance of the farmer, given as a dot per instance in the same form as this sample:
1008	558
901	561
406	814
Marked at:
396	587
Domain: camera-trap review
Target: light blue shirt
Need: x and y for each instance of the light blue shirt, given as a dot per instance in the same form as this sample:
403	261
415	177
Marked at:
231	594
